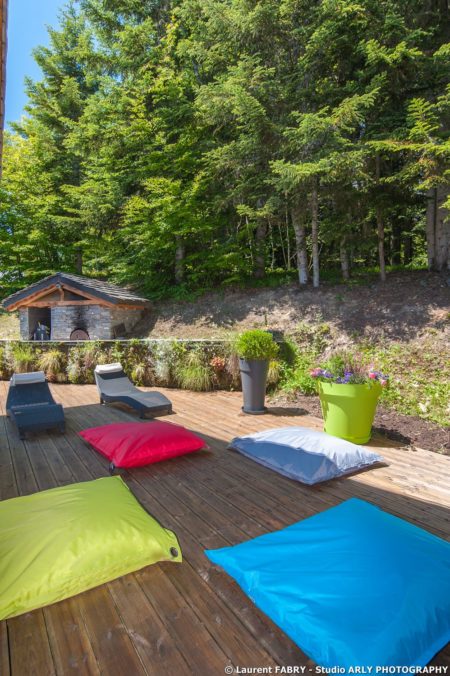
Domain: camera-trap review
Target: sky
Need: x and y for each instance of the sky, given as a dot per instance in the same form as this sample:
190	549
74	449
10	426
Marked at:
27	21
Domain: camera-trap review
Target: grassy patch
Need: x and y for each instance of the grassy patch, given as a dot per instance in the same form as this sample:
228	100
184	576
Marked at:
419	370
419	377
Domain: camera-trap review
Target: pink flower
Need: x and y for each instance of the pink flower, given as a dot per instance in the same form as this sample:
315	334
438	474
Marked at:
383	382
372	375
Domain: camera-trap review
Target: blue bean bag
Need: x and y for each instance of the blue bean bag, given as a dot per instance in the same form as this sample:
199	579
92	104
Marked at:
352	586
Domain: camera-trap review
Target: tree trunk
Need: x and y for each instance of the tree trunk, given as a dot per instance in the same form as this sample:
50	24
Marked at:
315	232
407	249
366	236
396	246
300	242
438	230
180	253
79	260
260	252
380	229
345	264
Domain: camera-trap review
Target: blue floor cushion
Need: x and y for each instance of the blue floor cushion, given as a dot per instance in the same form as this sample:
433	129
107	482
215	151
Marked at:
353	586
303	454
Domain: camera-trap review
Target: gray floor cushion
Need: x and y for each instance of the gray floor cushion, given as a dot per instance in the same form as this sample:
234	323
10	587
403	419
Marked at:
304	454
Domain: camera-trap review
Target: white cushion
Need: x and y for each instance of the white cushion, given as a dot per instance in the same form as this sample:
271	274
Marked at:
108	368
28	378
303	454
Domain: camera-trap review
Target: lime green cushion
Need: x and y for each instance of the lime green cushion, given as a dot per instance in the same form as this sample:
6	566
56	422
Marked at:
65	540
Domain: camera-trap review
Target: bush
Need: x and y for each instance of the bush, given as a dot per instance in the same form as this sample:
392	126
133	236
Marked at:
192	373
53	363
274	373
256	344
4	369
166	356
23	359
298	377
75	370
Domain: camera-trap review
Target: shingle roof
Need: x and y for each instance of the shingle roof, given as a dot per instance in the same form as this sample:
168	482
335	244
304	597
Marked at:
95	287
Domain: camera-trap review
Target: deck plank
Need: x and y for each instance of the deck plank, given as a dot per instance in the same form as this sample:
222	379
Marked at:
192	618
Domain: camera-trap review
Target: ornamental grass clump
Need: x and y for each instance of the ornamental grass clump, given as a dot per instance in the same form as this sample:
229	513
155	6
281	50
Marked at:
193	373
22	358
53	363
347	369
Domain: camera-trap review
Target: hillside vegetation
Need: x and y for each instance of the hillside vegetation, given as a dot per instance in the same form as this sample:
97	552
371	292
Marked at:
402	327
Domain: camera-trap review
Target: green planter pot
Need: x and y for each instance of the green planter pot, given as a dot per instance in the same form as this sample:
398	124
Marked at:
348	410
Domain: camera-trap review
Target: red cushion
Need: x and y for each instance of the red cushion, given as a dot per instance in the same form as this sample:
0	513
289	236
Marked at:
136	444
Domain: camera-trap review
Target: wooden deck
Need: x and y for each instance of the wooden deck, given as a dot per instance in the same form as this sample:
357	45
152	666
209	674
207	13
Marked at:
190	618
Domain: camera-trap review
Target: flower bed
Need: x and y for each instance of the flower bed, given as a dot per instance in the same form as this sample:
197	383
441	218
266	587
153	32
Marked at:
190	364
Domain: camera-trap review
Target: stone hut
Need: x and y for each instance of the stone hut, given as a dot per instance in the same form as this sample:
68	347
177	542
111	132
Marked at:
75	308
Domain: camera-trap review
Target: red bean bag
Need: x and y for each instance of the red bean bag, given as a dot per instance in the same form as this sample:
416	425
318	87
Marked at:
136	444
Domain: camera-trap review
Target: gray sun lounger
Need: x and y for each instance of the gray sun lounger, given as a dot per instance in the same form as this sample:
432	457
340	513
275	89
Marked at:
30	404
114	387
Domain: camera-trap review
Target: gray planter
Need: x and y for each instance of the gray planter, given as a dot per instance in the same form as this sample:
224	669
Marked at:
254	377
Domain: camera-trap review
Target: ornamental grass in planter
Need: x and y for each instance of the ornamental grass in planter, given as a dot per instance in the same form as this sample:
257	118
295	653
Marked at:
349	393
255	349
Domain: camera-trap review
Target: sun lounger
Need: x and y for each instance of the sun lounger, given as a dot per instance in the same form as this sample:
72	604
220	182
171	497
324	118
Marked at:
114	387
30	404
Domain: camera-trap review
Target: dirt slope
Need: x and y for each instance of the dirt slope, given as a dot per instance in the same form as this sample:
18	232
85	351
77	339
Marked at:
408	304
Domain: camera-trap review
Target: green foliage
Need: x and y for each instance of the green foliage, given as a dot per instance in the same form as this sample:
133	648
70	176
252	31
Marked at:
419	373
178	146
274	373
193	373
297	378
346	367
166	356
22	358
53	363
4	369
419	377
256	344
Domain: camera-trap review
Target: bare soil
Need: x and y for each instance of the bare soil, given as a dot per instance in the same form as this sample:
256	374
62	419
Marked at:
407	304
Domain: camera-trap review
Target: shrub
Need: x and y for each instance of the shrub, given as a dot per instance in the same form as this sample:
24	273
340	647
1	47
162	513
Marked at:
274	373
22	358
75	370
298	378
4	370
256	344
166	355
53	363
139	373
192	373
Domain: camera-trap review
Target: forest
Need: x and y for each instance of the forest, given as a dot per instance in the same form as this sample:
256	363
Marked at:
178	146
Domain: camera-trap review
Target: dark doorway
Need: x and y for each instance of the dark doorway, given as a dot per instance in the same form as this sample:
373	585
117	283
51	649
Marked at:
39	317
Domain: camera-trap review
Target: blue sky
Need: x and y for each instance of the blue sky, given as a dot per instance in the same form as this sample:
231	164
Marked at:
27	20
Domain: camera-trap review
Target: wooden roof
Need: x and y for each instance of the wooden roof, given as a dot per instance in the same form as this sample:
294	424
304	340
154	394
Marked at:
3	17
72	289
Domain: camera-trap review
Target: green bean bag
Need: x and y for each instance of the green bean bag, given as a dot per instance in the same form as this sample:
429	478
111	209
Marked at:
62	541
